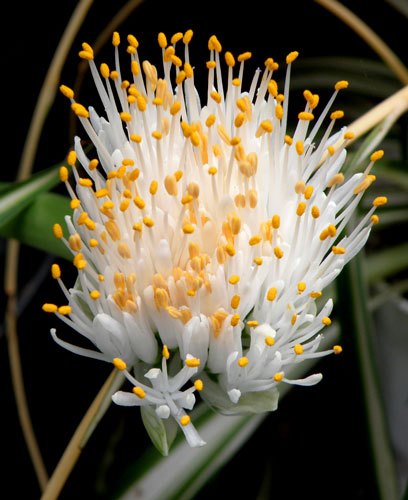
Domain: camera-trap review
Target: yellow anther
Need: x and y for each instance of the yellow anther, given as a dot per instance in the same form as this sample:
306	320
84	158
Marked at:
377	155
375	219
279	112
235	301
124	85
187	199
176	37
326	321
119	364
132	41
148	222
229	248
243	361
95	295
193	189
198	384
50	308
75	242
308	192
273	88
214	44
191	293
64	174
229	59
193	362
236	82
108	205
298	349
324	234
139	392
301	286
315	212
100	193
82	218
244	57
235	320
188	35
337	349
185	420
84	54
332	230
331	150
115	39
278	252
114	75
81	264
234	279
342	84
93	243
75	203
141	104
212	170
124	251
165	352
337	115
210	121
215	96
278	377
291	57
242	105
336	179
168	53
258	261
315	295
162	40
85	182
252	324
276	222
188	70
157	101
293	320
269	341
157	135
57	230
239	120
253	198
136	138
303	115
170	183
349	135
266	125
188	229
299	148
195	139
55	271
301	209
65	310
288	140
125	117
338	250
104	68
255	240
175	108
71	158
135	68
211	64
235	141
177	62
66	91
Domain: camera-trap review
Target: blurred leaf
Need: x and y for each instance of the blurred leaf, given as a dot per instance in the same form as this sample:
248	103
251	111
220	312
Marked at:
20	194
400	5
33	225
355	318
387	262
389	171
161	432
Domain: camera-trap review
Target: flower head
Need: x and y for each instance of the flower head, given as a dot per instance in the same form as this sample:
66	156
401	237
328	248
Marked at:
204	231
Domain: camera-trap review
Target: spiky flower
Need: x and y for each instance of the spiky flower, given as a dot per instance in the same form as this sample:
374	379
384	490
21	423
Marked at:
205	233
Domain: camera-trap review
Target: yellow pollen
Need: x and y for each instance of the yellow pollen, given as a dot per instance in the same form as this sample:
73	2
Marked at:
175	108
255	240
301	209
229	59
80	110
234	279
308	192
210	121
291	57
229	248
65	310
134	174
185	420
375	219
115	39
71	158
85	54
187	199
337	349
63	173
303	115
279	112
95	295
132	41
336	115
278	377
244	57
191	293
195	139
349	135
298	349
315	212
104	68
235	301
331	228
236	82
338	250
170	183
161	38
343	84
211	64
148	222
326	321
215	96
93	164
139	202
66	91
288	140
157	135
50	308
276	222
75	203
235	320
57	230
55	271
124	251
85	182
212	170
176	38
93	243
252	324
301	286
293	320
253	198
114	75
193	362
324	234
198	384
100	193
101	277
379	201
336	179
300	187
126	117
188	229
119	364
377	155
266	125
273	88
165	352
270	341
271	295
278	252
243	361
139	392
258	261
299	148
136	138
315	295
188	35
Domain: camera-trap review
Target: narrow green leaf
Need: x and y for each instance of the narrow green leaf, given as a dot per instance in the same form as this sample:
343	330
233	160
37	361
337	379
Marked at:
20	194
387	262
356	318
161	432
33	225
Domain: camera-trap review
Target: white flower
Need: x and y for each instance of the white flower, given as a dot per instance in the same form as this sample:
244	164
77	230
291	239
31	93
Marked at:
205	230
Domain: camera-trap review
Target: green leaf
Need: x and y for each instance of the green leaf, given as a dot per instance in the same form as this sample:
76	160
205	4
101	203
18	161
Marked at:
33	225
387	262
161	432
19	195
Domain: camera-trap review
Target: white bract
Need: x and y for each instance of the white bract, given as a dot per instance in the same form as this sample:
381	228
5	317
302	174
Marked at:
204	233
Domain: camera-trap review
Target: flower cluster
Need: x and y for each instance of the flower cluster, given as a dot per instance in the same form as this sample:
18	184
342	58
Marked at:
203	234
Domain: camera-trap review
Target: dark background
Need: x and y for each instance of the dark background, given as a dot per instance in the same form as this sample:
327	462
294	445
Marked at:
316	443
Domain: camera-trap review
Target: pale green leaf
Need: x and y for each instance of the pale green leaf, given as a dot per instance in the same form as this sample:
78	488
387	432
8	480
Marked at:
161	432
